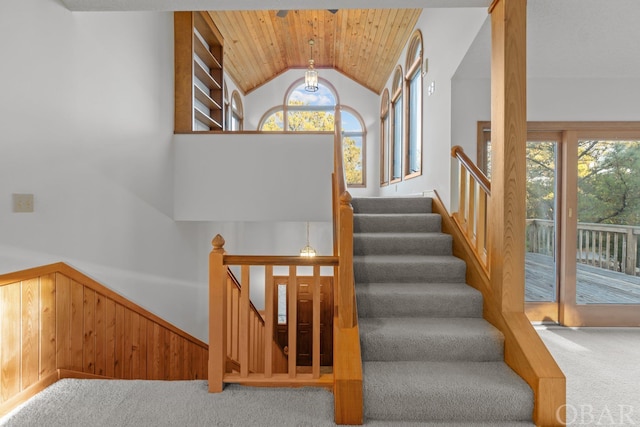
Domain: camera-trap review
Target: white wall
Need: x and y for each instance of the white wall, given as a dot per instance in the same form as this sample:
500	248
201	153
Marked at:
86	117
253	177
447	35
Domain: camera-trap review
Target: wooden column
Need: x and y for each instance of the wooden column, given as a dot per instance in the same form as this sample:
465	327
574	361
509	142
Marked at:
217	315
508	137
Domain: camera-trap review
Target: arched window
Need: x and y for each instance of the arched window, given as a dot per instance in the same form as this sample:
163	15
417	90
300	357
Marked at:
396	124
384	138
237	112
303	111
413	77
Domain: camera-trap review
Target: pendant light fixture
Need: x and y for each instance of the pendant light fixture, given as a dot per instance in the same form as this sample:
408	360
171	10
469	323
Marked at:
307	251
311	75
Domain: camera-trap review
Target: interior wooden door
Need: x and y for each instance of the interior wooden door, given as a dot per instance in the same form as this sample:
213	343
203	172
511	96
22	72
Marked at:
304	315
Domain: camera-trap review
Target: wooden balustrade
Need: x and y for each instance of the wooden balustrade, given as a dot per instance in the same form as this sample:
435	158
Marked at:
525	352
58	323
473	202
246	350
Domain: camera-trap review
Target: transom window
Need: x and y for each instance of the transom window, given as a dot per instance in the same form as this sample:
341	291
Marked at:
303	111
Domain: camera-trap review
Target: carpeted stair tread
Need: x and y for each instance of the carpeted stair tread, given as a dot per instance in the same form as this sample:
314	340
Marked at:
428	243
430	339
392	204
399	223
408	268
418	299
445	391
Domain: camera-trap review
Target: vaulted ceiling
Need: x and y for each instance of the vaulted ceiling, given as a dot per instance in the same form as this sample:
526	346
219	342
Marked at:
363	44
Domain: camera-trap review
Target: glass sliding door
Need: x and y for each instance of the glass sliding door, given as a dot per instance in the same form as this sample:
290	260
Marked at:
541	242
608	223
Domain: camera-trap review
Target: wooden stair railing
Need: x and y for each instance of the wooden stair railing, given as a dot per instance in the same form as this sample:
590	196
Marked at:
525	352
257	336
256	357
58	323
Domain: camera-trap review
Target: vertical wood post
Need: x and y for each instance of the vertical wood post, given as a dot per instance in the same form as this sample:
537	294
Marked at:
346	288
508	137
217	315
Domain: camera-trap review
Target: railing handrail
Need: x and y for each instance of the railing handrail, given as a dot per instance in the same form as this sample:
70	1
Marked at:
478	175
330	261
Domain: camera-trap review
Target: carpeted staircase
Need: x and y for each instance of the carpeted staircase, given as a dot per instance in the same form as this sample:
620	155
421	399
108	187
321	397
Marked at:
428	355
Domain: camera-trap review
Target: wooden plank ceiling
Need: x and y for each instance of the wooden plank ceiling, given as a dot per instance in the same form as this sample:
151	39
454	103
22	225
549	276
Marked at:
363	44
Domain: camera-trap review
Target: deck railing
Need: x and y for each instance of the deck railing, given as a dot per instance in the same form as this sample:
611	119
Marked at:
473	203
606	246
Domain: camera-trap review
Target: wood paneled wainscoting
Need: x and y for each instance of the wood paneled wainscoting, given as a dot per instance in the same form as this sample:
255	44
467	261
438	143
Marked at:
58	323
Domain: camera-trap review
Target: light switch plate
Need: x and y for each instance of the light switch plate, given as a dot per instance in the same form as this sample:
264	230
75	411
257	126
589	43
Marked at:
22	203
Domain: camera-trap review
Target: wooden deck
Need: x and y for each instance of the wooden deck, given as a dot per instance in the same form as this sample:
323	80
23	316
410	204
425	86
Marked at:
595	285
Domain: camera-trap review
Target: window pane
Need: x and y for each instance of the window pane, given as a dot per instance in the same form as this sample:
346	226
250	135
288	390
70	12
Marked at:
282	304
352	150
415	123
384	165
311	121
608	218
323	96
397	139
274	122
540	238
350	123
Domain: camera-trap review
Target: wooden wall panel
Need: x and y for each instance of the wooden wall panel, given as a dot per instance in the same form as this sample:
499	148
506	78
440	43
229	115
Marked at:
118	365
100	335
127	347
76	332
89	338
110	339
30	332
47	325
63	309
58	323
10	376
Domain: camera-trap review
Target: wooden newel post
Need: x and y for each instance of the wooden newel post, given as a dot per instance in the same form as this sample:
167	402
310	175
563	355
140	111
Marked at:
346	290
217	315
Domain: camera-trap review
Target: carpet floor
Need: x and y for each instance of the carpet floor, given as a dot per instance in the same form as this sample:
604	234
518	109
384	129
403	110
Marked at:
601	365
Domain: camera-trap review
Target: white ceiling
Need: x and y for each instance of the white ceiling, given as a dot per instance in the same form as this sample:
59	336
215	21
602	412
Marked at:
570	39
566	38
167	5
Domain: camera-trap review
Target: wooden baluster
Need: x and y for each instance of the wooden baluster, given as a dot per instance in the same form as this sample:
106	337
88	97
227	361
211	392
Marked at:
217	315
244	322
292	320
462	198
632	252
608	251
229	317
268	322
481	226
235	319
316	322
471	205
